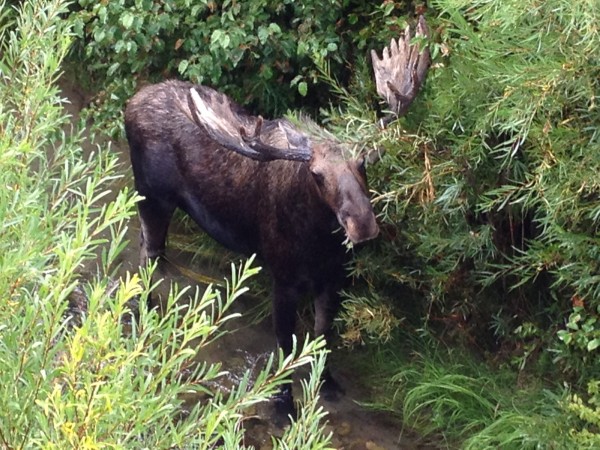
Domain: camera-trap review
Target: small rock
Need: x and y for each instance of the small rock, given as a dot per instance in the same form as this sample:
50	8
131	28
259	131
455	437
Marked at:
344	429
370	445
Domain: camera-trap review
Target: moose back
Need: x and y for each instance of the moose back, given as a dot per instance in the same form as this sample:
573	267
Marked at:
270	187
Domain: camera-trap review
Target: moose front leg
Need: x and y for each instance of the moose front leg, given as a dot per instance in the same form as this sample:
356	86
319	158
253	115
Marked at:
155	217
285	302
327	305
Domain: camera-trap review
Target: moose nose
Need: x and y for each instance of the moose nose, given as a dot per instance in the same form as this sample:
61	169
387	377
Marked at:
360	229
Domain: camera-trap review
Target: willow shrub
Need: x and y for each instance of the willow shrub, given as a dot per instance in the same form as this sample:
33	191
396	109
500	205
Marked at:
489	194
80	365
488	188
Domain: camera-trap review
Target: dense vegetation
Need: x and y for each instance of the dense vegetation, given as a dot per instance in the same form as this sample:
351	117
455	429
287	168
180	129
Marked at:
482	295
490	189
259	52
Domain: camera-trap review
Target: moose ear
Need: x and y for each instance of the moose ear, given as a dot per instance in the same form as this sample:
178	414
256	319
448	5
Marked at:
226	124
295	139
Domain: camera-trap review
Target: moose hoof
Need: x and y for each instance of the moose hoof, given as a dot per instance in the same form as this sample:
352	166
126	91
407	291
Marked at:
284	408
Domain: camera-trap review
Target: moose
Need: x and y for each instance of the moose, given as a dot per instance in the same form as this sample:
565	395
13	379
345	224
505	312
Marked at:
282	190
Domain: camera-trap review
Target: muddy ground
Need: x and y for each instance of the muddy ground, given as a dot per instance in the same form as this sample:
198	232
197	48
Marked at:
249	345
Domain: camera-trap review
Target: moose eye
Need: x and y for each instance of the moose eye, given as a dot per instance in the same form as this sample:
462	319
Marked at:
362	166
318	176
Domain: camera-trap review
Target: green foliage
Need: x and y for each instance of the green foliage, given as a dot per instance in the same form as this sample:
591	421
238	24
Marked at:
261	53
588	434
488	188
82	365
307	431
516	109
254	50
488	193
582	330
366	319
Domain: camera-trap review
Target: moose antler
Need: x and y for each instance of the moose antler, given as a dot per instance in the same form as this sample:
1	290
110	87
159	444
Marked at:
267	142
402	69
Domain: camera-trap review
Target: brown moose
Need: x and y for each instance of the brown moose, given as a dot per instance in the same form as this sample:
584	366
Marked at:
261	186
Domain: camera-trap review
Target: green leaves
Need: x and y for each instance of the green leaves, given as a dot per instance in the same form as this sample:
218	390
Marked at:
220	38
303	88
488	188
582	331
127	20
587	411
265	33
512	150
249	49
84	363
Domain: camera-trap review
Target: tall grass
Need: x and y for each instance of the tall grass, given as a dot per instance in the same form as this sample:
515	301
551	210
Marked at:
82	365
457	401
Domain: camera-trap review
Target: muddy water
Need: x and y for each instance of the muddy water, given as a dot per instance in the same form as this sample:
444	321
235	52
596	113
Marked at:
249	344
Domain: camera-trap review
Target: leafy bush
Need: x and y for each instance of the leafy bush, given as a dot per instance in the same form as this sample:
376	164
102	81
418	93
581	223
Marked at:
588	434
261	53
254	50
80	366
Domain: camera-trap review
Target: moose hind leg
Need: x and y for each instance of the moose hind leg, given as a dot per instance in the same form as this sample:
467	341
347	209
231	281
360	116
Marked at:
155	217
